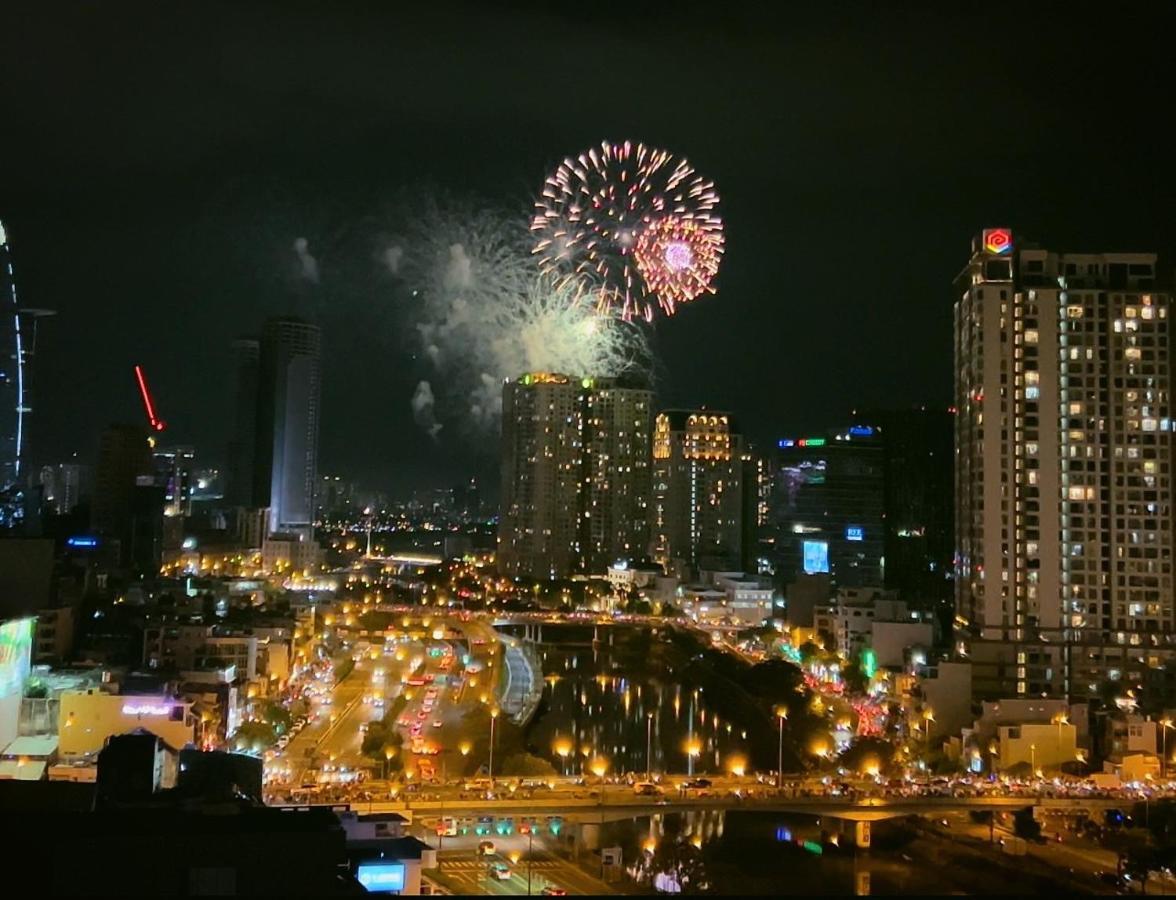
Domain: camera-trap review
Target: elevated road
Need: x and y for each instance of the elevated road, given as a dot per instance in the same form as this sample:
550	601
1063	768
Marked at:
610	808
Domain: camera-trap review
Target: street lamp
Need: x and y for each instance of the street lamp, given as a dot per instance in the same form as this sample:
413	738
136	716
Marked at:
1033	760
737	766
693	749
389	752
490	765
562	748
781	718
649	746
598	767
1166	724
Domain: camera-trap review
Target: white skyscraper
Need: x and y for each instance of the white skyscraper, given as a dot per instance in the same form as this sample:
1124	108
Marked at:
1063	469
288	423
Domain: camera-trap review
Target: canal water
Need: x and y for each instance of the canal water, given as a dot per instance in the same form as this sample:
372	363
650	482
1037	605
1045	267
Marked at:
776	854
614	701
610	699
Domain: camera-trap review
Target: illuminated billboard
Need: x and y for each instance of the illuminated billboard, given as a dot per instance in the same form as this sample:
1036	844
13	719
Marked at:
16	646
998	241
378	877
816	557
855	533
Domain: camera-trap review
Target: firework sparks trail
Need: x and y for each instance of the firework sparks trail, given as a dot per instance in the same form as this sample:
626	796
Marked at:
641	223
484	313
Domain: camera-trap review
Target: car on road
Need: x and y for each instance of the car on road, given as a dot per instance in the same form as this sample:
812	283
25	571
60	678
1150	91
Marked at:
437	723
696	783
500	870
552	891
646	789
1111	879
485	848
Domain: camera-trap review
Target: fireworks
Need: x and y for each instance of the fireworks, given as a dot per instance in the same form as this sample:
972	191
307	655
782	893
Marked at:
678	259
641	223
484	313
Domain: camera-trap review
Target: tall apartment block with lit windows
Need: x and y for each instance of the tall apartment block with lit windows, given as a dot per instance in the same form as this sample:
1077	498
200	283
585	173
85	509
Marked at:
575	474
698	495
1063	475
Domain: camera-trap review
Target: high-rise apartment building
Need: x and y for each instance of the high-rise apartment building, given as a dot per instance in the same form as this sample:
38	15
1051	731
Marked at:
128	503
287	432
542	463
63	486
575	474
826	509
617	419
918	497
1063	475
173	473
698	496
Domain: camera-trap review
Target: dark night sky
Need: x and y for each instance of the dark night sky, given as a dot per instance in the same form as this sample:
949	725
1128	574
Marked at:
156	167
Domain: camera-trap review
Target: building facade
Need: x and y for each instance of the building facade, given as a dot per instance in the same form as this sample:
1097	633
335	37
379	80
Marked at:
918	499
575	474
826	508
173	473
698	496
128	504
617	419
1063	468
63	486
287	434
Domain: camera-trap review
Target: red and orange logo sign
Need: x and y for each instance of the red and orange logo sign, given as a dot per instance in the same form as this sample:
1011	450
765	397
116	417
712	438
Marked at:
998	241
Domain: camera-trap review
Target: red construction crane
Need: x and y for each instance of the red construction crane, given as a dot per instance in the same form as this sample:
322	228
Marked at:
156	423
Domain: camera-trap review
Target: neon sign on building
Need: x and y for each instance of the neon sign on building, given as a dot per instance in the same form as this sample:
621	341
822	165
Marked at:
998	241
146	709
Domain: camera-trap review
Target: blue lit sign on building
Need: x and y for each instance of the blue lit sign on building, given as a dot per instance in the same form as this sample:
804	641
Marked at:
861	431
81	541
787	442
816	557
381	877
855	533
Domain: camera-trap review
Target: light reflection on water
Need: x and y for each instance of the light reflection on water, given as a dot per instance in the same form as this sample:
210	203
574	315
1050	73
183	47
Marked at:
596	707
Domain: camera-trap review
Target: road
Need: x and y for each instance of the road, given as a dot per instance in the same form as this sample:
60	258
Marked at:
468	873
426	667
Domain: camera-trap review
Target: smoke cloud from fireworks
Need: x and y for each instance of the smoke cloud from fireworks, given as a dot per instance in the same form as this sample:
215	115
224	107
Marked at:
482	312
423	408
308	265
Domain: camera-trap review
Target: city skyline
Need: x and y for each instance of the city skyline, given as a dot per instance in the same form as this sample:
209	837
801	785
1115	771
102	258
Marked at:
843	174
470	449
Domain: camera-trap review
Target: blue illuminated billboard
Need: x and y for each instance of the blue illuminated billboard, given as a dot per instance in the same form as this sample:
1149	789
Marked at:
816	557
855	533
378	877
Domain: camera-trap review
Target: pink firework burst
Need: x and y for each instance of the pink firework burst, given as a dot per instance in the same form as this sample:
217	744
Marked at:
678	259
597	208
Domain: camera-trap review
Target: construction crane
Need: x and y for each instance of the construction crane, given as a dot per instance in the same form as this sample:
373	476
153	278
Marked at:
157	424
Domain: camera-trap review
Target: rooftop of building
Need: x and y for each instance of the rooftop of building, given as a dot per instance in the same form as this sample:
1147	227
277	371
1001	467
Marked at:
38	746
679	419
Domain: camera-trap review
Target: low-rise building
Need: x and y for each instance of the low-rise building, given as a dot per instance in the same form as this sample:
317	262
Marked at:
869	617
728	600
28	758
290	553
87	719
945	691
1043	746
1040	732
384	858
